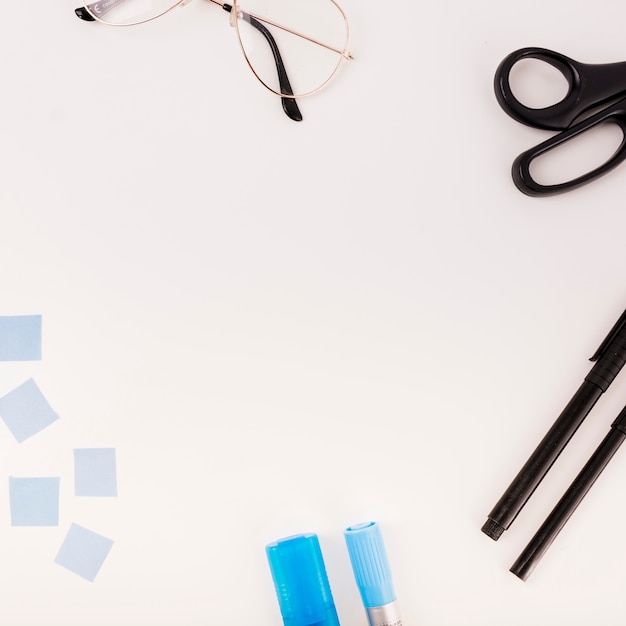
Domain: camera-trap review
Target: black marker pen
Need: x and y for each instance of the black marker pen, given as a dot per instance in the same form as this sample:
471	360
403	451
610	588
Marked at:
609	360
549	530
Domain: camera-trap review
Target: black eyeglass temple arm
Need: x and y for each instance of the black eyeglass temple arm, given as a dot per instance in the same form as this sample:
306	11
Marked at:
84	14
290	106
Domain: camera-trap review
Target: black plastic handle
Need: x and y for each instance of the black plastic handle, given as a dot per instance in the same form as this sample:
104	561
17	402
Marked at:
590	85
521	166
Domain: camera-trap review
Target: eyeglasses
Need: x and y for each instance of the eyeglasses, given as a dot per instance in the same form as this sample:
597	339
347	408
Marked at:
311	35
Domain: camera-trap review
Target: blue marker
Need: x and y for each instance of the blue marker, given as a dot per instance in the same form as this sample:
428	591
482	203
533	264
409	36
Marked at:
372	574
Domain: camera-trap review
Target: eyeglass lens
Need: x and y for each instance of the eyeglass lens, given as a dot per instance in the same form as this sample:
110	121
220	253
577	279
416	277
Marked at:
309	36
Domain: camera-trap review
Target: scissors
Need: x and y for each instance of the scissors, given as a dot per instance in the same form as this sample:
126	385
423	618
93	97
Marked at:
601	87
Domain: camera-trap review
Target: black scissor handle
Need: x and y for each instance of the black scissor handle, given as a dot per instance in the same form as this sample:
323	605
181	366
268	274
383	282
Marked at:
589	85
522	177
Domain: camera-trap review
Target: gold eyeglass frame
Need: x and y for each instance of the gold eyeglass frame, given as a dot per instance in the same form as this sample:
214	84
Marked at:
93	8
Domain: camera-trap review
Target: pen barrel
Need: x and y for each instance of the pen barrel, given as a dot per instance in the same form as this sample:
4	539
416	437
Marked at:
554	523
541	460
609	360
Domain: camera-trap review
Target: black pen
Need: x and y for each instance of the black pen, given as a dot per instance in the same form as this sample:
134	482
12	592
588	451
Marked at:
536	548
609	360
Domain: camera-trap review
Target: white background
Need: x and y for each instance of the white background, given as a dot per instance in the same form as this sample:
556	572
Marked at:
289	328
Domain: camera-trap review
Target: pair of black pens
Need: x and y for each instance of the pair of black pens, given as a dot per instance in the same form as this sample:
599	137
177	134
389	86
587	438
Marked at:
609	360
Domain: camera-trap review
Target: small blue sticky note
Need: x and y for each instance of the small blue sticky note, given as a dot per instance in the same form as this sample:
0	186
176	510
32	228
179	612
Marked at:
83	552
34	501
25	411
94	472
20	338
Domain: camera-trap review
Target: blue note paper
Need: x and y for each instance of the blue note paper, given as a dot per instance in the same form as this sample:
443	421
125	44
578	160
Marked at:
83	552
20	338
94	472
34	501
25	411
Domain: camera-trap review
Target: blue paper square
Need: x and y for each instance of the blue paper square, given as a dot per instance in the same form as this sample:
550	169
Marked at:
94	472
20	338
83	552
34	501
25	411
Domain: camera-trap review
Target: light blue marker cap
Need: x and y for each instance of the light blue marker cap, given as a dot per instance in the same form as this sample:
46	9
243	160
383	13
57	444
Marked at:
370	564
301	582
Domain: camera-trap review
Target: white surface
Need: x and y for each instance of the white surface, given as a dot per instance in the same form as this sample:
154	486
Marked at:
286	328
